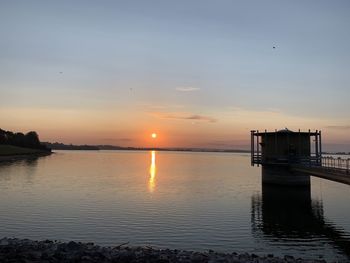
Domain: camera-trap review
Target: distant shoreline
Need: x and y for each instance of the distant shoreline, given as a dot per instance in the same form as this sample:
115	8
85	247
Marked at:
160	150
72	147
85	147
178	150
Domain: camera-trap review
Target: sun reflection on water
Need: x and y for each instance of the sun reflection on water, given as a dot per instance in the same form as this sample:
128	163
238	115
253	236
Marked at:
152	173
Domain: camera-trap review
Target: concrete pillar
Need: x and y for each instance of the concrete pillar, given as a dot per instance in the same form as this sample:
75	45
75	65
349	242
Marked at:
281	175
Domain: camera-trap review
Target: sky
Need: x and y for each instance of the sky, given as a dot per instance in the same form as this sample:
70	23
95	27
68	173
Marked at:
197	73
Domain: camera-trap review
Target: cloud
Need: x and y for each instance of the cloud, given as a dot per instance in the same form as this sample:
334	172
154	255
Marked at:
200	118
339	127
230	143
161	107
187	89
255	110
125	139
186	116
118	139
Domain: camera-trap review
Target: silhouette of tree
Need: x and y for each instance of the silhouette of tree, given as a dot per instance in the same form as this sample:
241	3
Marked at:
32	140
3	138
28	140
19	139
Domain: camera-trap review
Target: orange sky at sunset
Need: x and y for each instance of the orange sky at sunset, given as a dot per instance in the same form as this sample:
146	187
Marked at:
198	75
227	129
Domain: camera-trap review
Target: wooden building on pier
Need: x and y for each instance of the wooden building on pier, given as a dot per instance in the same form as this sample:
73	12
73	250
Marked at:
279	151
285	147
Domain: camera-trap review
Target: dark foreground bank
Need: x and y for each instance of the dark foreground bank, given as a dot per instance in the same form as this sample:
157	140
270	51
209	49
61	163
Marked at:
27	156
25	250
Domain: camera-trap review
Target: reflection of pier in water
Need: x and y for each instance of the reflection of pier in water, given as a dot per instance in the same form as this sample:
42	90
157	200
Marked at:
289	212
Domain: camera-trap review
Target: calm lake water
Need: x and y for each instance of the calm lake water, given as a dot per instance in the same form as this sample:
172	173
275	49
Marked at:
183	200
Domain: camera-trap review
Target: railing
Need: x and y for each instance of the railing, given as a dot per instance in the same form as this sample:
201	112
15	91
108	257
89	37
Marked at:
313	161
306	161
336	163
256	159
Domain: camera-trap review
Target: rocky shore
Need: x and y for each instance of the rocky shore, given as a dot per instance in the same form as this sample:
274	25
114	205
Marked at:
28	251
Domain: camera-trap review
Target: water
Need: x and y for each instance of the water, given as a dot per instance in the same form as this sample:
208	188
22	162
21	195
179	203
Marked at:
183	200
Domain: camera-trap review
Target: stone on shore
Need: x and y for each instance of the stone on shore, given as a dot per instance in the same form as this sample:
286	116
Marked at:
29	251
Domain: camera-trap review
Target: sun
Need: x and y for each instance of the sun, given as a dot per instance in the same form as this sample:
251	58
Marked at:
154	135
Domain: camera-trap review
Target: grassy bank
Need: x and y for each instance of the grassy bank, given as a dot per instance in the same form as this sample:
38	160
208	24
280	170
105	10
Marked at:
7	150
10	152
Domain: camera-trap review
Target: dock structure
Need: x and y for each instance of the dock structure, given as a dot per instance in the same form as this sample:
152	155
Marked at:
339	171
289	158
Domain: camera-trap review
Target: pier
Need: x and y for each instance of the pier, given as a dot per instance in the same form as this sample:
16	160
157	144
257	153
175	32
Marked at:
289	158
334	169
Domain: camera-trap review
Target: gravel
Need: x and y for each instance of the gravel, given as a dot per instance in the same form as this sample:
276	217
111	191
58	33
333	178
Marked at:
28	251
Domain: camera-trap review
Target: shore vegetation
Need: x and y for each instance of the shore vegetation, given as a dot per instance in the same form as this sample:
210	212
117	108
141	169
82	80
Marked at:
18	143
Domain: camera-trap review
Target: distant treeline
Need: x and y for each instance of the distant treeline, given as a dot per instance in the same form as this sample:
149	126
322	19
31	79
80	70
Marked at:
28	140
61	146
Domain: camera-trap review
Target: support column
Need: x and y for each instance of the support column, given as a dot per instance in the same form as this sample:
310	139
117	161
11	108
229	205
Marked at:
310	147
275	144
252	147
282	175
320	142
299	144
316	147
257	145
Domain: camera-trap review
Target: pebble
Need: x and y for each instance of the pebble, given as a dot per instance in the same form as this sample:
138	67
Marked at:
29	251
